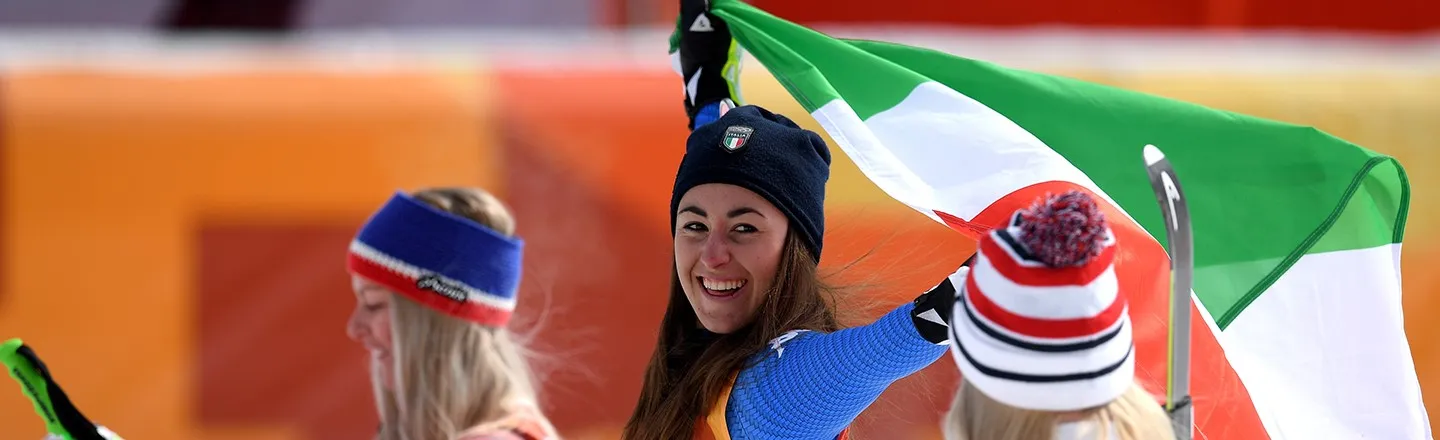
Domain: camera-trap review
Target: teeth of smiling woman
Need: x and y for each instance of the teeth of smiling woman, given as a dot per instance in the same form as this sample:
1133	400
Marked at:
722	285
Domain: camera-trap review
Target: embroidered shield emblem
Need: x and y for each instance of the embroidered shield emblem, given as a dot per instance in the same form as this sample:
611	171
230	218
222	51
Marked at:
736	136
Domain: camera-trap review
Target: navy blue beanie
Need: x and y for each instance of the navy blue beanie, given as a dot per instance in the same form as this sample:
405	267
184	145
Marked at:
755	149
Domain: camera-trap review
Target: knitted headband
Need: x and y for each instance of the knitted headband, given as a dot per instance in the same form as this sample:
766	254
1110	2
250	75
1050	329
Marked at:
446	262
1041	323
764	152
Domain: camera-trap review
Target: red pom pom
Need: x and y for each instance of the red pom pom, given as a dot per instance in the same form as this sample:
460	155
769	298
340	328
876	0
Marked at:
1063	231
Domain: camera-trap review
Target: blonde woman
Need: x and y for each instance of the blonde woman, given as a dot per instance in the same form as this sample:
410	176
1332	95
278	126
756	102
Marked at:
435	277
1042	335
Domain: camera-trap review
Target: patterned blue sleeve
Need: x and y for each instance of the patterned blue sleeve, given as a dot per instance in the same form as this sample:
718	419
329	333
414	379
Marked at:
811	385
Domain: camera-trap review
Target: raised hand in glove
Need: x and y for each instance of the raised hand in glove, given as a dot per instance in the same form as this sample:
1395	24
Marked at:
708	60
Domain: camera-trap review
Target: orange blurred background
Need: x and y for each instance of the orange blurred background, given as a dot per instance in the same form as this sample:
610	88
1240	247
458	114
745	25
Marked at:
171	241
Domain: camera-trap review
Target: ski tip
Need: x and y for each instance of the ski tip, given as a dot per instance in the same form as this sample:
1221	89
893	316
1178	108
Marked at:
11	345
1153	155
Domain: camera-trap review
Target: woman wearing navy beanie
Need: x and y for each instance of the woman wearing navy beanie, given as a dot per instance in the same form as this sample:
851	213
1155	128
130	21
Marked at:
750	347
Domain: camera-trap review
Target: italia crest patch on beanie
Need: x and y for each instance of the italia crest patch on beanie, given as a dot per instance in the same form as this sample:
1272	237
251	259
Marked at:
735	137
1041	323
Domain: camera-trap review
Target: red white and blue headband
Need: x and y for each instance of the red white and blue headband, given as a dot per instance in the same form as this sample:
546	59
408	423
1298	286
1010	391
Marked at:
446	262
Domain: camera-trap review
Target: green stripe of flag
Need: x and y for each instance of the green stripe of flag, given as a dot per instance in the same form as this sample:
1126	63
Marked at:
788	52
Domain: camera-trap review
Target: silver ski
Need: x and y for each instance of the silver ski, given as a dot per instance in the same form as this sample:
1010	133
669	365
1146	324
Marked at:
1182	276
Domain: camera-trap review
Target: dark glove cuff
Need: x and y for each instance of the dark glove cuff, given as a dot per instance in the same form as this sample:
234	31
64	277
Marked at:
932	311
708	85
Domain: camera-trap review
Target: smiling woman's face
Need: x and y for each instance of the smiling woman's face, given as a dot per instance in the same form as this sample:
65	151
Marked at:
727	248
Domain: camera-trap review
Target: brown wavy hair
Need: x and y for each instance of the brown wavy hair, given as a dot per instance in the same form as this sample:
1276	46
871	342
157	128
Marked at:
690	366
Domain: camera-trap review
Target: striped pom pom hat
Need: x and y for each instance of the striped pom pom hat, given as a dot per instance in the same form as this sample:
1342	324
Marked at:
446	262
1041	323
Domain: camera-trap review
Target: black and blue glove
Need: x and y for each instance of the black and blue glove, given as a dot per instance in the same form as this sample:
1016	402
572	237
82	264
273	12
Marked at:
708	58
934	309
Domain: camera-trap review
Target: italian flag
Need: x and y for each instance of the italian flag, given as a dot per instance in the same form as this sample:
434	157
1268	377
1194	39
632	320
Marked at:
1298	330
